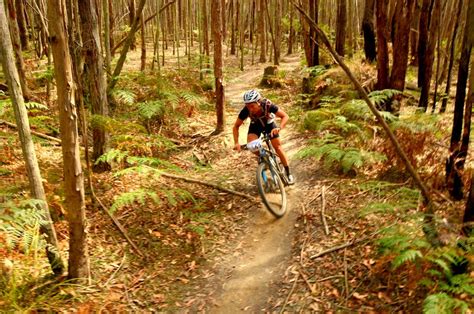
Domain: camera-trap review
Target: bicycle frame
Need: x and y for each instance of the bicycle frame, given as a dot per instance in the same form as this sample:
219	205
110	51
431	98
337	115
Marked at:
270	156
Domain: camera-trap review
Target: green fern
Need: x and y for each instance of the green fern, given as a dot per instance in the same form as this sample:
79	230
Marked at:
113	155
151	109
191	98
442	303
21	224
316	70
125	97
406	256
137	196
382	96
35	105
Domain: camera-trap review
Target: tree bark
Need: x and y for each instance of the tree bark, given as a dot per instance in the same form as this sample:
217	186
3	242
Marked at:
368	30
451	59
382	47
341	27
403	15
27	146
262	31
217	37
15	40
426	62
73	176
94	80
455	160
20	11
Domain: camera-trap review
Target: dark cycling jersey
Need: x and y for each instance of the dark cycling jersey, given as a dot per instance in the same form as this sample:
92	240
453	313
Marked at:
258	124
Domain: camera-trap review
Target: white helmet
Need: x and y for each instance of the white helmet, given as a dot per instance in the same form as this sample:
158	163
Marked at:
251	96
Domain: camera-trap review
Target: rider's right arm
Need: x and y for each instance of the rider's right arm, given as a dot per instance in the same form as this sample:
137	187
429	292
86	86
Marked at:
235	132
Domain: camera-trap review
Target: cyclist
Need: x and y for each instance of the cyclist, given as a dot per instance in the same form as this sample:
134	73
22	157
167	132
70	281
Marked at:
262	114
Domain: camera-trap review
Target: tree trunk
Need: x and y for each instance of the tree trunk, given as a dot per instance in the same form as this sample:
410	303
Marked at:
414	34
143	43
233	24
382	47
278	33
217	37
426	62
94	80
423	34
108	55
15	39
468	217
205	28
341	27
451	59
402	23
27	146
455	163
20	11
368	30
262	31
126	46
73	176
291	32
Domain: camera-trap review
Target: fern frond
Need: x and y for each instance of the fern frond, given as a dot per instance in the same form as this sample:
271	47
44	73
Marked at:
151	109
442	303
356	109
191	98
406	256
129	198
112	155
125	97
35	105
381	96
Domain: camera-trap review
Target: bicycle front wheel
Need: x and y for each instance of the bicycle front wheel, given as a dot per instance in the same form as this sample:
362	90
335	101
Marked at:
271	189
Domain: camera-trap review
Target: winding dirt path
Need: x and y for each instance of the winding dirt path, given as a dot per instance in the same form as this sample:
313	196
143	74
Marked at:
249	277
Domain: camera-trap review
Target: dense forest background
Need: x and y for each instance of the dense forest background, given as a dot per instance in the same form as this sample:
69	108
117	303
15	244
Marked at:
119	189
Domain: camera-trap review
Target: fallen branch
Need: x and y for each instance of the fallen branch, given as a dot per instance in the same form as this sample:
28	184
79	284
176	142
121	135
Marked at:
118	225
350	243
323	207
337	248
51	138
218	187
289	294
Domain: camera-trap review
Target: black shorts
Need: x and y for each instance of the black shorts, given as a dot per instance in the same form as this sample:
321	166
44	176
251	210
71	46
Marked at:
257	128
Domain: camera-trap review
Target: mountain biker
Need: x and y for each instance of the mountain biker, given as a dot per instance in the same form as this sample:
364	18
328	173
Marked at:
262	114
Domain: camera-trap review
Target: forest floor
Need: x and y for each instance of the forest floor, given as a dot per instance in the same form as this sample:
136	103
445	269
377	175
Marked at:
222	253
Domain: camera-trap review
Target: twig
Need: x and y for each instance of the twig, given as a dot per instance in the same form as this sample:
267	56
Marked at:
118	225
118	268
329	278
51	138
346	283
291	292
311	288
323	207
350	243
218	187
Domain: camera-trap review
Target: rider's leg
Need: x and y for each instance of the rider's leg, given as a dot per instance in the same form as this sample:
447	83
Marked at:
252	137
279	150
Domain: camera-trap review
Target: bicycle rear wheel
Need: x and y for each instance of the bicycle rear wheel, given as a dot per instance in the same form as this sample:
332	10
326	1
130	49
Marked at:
271	189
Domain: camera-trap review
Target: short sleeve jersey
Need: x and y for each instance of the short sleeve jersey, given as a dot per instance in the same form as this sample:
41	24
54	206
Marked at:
272	108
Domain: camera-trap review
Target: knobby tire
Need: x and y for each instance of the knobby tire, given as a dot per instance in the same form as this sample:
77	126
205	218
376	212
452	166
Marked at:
278	210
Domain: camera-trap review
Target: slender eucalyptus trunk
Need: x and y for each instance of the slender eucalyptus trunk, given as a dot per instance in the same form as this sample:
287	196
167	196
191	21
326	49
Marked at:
27	146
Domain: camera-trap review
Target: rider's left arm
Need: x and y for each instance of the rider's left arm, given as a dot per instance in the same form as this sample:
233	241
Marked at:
284	118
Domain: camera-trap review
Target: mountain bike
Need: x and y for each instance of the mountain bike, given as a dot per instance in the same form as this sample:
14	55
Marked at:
271	178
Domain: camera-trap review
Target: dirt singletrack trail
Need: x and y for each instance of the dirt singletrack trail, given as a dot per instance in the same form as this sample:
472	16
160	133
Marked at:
248	277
